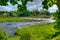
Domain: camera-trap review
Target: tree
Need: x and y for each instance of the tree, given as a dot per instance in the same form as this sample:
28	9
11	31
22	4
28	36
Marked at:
58	15
3	2
21	8
49	3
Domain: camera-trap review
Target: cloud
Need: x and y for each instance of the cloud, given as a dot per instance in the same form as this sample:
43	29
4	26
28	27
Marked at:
30	6
9	7
53	8
38	5
34	5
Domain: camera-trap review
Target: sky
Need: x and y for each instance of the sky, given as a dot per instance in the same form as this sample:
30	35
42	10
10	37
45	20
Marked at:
30	6
34	5
9	7
53	8
38	5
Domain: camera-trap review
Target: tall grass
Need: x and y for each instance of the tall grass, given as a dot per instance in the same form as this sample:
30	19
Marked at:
38	32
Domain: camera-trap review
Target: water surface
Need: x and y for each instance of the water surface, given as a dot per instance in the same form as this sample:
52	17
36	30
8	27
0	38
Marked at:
11	27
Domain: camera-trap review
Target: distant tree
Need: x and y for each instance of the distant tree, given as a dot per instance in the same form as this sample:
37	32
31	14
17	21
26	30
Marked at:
25	14
35	12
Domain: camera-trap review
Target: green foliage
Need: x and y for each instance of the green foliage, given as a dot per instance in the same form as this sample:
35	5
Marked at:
25	36
48	3
25	14
58	20
14	1
36	13
12	19
22	8
3	35
38	32
56	38
3	2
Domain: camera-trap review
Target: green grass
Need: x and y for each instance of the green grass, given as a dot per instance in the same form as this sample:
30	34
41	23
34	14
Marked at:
56	38
12	19
37	32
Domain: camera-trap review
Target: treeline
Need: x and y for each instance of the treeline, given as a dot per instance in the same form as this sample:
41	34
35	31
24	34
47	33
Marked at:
34	13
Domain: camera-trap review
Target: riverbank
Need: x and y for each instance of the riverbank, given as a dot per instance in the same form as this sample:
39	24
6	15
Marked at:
23	19
37	32
12	19
11	27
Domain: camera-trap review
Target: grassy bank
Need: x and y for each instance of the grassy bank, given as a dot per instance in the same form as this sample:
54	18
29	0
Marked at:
12	19
38	32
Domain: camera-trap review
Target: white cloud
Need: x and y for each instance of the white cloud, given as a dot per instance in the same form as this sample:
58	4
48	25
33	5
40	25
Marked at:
34	5
53	8
30	6
37	4
9	7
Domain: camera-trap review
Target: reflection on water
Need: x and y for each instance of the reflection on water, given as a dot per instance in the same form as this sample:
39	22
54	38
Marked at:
11	27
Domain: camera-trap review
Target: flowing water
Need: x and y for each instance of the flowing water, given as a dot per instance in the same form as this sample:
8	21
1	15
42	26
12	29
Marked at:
11	27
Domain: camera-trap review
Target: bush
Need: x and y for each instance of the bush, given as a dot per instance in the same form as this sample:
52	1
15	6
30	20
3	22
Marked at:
24	14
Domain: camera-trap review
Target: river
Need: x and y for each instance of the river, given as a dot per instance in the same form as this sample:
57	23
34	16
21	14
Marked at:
11	27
